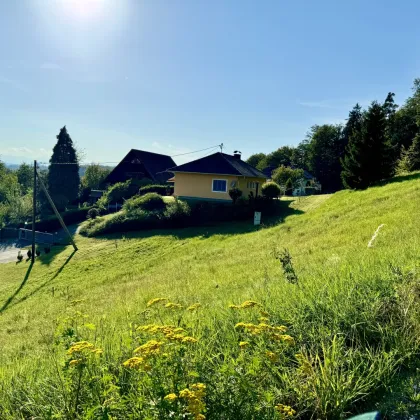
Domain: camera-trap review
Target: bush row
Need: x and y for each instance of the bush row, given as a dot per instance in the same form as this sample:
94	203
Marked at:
158	189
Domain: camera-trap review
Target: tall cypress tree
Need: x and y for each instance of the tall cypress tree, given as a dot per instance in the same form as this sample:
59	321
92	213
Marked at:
367	158
64	179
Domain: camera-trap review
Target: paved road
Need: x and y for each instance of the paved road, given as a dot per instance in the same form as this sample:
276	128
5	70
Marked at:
9	251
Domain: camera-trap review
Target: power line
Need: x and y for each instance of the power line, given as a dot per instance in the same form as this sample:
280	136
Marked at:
105	163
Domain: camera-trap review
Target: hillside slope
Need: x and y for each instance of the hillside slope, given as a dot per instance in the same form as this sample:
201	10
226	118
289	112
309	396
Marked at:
340	308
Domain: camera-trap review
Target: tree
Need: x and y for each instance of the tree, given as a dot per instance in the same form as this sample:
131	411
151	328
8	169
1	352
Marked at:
300	156
367	158
25	176
282	156
255	159
325	150
270	190
354	123
289	187
234	194
410	158
63	173
94	176
283	173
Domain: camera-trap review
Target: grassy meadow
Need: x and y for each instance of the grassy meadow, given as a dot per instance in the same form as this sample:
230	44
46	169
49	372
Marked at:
334	332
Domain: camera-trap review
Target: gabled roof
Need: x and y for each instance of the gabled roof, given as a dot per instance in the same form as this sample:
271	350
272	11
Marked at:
151	165
220	164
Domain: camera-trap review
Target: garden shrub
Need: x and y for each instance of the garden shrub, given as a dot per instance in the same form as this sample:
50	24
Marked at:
270	189
70	217
117	193
148	202
93	213
158	189
234	194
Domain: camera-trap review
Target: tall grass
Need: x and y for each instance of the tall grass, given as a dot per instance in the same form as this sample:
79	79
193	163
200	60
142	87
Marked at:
344	330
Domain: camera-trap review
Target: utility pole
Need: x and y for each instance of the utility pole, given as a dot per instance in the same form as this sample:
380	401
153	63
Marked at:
221	148
33	215
63	225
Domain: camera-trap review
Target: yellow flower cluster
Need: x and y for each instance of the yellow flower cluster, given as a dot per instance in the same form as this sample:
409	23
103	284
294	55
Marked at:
245	305
171	397
194	307
74	362
286	410
273	357
194	398
150	348
155	300
243	344
134	363
171	305
169	331
80	346
274	332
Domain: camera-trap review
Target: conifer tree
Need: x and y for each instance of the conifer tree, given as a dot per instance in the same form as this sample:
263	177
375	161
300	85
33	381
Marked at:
63	173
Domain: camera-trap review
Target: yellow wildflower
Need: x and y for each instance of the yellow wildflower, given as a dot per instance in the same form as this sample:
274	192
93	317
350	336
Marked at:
171	305
80	346
281	328
149	348
189	340
74	362
194	397
263	319
98	352
156	300
171	397
231	306
243	344
194	307
273	357
249	304
286	410
134	362
287	339
264	313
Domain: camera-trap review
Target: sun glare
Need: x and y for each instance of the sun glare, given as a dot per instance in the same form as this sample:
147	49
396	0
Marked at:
84	9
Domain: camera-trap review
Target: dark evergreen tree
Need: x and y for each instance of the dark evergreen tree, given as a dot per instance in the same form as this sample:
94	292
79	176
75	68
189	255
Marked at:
367	158
63	173
354	123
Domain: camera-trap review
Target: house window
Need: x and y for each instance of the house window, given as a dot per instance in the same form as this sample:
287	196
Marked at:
219	185
251	185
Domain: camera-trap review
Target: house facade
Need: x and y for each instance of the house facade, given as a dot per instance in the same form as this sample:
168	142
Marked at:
211	178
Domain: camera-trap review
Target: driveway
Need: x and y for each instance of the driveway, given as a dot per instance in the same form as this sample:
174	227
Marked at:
9	251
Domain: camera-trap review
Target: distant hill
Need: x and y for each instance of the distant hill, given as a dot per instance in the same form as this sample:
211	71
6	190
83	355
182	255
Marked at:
82	169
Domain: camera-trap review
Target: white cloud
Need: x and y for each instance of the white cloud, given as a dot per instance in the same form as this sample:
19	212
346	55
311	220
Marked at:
50	66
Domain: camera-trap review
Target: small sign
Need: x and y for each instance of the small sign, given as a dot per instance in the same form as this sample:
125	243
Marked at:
257	218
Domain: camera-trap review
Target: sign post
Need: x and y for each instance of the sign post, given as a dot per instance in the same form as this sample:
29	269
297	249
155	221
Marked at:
257	218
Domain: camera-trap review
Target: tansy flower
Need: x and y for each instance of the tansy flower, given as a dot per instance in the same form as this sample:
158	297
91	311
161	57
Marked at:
80	346
171	305
171	397
189	340
134	362
156	300
273	357
231	306
194	307
74	362
243	344
263	319
286	410
149	348
287	339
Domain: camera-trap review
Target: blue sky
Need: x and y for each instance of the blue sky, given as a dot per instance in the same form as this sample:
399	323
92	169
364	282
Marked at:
180	75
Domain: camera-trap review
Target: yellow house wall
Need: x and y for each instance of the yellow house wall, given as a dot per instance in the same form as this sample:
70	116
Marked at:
201	185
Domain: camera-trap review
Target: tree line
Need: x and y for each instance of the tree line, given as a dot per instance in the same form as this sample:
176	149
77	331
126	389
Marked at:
373	144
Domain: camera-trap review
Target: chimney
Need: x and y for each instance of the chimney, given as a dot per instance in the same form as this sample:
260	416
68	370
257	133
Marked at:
237	154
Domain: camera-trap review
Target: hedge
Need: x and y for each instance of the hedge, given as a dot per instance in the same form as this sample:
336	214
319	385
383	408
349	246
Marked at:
158	189
70	217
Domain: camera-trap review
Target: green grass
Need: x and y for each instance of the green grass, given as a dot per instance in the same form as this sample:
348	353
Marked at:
353	314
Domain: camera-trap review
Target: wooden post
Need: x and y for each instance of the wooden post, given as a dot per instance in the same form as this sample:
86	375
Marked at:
33	215
63	225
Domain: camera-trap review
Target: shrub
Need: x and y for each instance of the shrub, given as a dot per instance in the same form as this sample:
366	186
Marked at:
148	202
283	173
289	187
70	217
116	193
270	189
234	194
93	213
158	189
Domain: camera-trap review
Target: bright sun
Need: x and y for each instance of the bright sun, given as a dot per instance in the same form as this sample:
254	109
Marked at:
83	9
